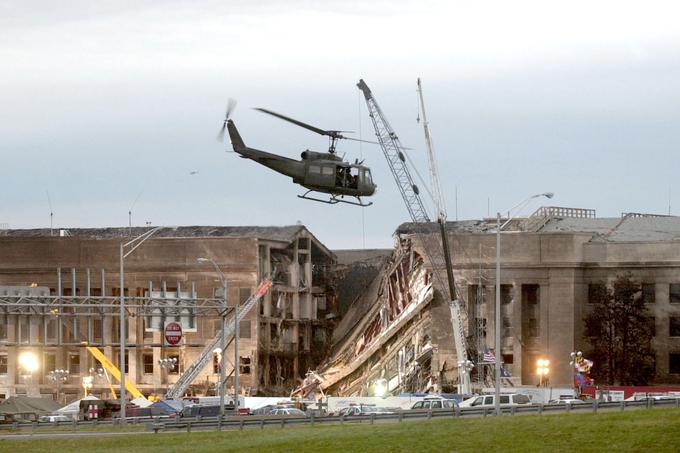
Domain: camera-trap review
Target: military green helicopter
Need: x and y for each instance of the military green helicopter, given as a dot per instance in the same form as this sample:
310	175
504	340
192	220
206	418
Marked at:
318	172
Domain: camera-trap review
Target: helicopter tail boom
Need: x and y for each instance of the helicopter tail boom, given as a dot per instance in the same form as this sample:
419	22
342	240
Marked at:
281	164
236	140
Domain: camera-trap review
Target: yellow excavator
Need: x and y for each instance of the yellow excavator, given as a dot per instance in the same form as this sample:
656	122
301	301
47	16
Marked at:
112	369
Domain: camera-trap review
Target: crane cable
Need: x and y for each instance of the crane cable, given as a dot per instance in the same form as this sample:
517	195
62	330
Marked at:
361	154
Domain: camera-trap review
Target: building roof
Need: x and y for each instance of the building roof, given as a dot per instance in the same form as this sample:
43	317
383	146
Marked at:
459	226
629	228
274	233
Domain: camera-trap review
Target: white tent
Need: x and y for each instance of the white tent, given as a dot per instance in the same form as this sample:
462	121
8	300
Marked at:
74	406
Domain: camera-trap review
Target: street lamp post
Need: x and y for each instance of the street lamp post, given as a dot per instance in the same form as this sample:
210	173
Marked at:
168	364
543	370
223	336
499	227
133	244
58	376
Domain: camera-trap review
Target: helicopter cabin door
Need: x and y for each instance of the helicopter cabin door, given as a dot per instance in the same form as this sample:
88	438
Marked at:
320	174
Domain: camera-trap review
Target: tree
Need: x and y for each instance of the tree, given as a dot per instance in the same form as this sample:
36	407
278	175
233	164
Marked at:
620	333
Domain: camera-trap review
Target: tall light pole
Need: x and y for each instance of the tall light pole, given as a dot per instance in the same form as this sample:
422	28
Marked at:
499	227
223	335
132	245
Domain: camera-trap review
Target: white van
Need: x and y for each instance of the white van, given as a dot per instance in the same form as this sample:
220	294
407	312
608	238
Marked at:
512	399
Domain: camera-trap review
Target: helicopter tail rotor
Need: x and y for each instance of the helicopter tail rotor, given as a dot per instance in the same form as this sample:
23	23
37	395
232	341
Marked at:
231	105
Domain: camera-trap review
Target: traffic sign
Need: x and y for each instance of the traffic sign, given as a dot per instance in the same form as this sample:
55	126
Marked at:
173	333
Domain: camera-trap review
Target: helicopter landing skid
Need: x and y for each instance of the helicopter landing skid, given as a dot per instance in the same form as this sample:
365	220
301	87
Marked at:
335	200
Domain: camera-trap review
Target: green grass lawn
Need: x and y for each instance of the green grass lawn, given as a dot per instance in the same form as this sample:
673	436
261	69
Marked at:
654	430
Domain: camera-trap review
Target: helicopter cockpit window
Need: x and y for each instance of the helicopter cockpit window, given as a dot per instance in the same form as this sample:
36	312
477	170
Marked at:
366	176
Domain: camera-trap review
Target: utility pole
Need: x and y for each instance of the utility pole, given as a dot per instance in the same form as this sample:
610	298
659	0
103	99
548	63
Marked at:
236	361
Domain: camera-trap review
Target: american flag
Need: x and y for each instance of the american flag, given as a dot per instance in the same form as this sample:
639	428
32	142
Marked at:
488	356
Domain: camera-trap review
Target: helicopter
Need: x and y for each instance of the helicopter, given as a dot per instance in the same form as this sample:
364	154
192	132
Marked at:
316	171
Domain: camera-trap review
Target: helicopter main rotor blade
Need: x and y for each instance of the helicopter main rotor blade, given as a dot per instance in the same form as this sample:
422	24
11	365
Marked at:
301	124
360	140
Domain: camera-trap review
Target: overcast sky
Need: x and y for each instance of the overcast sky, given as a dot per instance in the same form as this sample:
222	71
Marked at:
110	105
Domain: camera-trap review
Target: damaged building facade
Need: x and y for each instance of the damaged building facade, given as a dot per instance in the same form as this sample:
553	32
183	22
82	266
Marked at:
287	333
399	333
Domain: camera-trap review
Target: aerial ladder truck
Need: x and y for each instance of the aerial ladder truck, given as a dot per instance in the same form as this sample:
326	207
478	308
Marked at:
192	372
438	253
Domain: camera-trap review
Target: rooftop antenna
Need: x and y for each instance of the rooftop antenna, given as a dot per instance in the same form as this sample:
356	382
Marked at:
130	211
456	202
49	201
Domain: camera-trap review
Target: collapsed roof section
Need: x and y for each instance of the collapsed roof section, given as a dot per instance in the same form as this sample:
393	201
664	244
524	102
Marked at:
375	338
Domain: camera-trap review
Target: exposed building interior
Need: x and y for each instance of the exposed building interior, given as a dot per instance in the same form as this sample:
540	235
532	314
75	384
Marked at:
60	294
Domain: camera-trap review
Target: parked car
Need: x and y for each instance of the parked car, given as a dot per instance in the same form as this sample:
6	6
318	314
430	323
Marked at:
197	410
288	411
54	418
571	401
435	403
363	409
512	399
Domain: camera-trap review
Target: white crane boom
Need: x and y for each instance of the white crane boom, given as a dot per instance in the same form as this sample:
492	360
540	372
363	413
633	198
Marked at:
437	195
437	253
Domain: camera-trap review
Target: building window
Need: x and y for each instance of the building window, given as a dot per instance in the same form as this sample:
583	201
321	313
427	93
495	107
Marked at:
74	363
4	327
148	332
674	363
674	326
508	359
3	363
243	295
480	324
506	294
648	293
507	325
651	325
217	326
49	362
244	329
24	329
147	360
594	290
674	293
244	365
476	294
97	329
530	294
127	360
532	327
